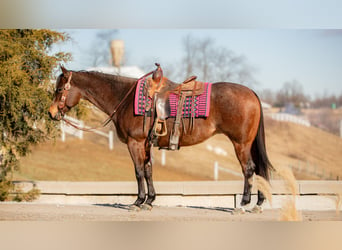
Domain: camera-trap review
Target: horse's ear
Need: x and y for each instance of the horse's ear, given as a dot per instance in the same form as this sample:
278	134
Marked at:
64	70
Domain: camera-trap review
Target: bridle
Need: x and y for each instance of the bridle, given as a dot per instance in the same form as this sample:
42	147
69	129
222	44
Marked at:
67	87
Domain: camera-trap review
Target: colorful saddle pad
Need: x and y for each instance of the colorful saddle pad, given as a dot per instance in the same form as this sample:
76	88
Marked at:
201	102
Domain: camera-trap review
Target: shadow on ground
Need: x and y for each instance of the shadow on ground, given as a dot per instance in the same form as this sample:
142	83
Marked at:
115	205
222	209
127	207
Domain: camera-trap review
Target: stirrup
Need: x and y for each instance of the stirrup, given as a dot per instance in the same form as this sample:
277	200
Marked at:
159	128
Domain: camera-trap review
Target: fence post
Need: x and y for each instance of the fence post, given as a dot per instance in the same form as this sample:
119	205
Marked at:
216	170
81	131
111	139
163	158
63	132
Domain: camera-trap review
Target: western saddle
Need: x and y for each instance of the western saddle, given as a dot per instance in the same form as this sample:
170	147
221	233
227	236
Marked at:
159	89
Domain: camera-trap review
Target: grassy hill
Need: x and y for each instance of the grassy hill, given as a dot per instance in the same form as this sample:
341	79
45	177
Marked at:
90	159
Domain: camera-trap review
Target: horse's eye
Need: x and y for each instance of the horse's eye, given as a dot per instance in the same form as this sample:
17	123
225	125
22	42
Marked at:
59	90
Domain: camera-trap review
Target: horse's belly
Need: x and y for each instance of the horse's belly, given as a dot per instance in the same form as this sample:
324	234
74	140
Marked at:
188	137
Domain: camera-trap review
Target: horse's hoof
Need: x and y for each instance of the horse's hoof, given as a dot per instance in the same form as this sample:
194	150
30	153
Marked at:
134	208
239	210
146	207
257	209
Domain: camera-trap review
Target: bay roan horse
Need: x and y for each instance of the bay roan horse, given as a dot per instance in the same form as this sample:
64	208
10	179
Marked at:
235	111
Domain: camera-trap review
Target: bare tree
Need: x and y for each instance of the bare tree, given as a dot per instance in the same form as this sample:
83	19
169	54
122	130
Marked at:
99	52
267	95
212	63
326	100
291	92
189	54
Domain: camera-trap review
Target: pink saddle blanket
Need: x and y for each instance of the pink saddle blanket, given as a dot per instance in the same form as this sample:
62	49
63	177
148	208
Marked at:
201	102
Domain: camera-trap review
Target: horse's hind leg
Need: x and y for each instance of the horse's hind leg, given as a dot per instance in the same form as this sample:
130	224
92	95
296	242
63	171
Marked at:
243	153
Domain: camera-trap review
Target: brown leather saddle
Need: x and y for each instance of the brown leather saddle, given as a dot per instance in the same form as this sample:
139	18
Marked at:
156	83
159	91
190	87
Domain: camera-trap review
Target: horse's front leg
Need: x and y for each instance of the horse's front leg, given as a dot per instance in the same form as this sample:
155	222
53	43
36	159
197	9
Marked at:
138	155
148	177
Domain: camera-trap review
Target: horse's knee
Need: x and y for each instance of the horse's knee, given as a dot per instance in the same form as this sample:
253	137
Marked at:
139	173
148	170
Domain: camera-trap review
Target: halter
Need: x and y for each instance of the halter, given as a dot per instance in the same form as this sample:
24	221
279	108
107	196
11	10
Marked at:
66	89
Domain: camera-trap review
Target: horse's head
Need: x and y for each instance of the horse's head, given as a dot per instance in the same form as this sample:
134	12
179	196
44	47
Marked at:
66	96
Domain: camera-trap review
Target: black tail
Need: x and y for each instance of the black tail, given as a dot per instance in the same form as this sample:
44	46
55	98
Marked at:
259	154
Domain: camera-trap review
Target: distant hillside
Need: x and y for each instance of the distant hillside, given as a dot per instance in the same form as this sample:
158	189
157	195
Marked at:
304	148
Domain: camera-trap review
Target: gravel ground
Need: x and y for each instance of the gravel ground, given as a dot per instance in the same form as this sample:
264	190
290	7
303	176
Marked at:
118	212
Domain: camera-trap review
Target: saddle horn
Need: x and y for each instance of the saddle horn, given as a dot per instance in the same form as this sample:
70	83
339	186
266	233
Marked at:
157	74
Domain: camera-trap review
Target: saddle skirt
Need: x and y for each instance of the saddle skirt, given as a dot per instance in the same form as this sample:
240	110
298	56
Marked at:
195	105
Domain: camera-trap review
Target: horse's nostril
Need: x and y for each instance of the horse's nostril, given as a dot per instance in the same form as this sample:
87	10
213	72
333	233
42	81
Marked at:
59	116
50	115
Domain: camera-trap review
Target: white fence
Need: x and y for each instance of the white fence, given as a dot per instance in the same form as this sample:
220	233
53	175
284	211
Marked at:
218	168
67	129
290	118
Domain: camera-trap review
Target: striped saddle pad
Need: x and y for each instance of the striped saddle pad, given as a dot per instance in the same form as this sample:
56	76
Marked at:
201	103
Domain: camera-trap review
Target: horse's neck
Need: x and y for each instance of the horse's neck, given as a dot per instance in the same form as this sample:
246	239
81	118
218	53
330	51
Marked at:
105	94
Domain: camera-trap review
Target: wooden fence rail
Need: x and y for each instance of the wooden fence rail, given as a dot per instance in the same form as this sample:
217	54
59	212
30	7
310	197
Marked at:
312	195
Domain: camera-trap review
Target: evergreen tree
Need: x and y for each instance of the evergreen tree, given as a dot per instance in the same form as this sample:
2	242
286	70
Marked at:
26	69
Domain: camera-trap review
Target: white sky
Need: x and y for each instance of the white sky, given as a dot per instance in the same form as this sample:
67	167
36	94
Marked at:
284	40
313	57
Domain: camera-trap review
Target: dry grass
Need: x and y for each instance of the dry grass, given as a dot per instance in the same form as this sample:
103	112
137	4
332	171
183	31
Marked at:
289	210
90	159
77	160
308	147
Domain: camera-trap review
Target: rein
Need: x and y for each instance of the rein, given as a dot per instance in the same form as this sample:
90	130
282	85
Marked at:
105	123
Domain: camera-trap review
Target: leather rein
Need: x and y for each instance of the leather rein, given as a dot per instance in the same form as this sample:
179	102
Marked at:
66	89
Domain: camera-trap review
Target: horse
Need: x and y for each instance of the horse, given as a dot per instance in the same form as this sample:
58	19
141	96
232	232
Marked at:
235	111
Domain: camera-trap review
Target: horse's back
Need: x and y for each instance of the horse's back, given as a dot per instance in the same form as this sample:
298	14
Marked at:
231	89
233	96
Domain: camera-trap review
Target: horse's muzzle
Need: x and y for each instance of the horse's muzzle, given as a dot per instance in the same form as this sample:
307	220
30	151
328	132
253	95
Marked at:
57	116
56	113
